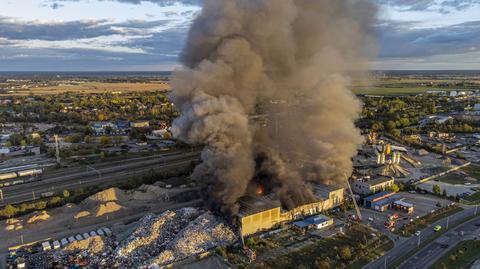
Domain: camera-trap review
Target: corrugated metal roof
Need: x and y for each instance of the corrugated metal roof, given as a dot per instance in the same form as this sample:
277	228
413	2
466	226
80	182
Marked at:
250	205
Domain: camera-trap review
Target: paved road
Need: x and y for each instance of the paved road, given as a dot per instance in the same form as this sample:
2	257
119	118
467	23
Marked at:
101	174
406	245
434	251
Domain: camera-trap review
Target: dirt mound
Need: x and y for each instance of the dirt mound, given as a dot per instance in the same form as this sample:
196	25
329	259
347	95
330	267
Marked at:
149	192
108	195
106	208
82	214
93	245
38	216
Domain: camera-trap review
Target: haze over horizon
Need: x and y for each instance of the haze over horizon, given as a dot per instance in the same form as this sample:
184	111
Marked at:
137	35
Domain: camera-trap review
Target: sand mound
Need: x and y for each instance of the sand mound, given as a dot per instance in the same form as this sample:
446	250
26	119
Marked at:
93	244
82	214
12	221
107	208
108	195
39	216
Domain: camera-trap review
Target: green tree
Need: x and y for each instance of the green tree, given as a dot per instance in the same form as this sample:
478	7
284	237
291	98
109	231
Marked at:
346	253
9	211
391	125
436	189
105	140
395	188
66	194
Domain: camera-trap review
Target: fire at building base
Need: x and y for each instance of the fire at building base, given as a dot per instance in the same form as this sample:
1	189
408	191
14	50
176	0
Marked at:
260	213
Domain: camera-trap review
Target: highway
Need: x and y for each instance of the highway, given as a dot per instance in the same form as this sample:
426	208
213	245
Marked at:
434	251
405	246
95	174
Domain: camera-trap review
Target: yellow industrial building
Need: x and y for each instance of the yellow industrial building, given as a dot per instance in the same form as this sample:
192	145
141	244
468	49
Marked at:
260	213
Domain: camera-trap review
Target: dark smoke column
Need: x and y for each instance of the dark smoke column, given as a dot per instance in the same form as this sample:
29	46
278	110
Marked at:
243	53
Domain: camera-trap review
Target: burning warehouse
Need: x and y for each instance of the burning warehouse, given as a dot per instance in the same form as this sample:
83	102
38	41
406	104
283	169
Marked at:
262	212
290	61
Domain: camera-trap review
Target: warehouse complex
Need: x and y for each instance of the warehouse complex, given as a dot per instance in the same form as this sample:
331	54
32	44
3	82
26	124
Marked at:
259	213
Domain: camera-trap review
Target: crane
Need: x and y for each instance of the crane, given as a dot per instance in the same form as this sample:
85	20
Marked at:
353	198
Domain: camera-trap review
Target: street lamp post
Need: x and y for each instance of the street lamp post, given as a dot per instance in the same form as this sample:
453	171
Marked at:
418	243
448	219
1	195
476	208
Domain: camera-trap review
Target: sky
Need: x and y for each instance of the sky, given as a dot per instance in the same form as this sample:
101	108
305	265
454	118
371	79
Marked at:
148	35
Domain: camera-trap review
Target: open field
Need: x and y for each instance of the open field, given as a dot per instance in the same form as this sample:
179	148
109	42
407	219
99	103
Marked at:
93	87
472	171
460	257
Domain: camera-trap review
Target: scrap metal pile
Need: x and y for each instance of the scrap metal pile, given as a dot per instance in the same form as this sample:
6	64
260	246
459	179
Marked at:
156	240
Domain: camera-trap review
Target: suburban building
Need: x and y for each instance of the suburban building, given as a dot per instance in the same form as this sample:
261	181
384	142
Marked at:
314	222
366	186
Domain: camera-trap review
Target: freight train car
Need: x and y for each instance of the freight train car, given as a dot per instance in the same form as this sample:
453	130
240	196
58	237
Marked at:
8	176
20	173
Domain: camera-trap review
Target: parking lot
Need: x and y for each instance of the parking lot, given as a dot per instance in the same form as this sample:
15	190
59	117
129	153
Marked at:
424	204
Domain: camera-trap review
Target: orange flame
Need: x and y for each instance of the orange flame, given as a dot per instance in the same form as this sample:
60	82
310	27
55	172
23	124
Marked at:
260	189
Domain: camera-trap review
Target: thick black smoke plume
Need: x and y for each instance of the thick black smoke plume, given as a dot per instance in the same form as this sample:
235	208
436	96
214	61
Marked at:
289	59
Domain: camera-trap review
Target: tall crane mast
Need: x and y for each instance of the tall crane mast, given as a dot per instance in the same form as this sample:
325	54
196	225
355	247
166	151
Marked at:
353	198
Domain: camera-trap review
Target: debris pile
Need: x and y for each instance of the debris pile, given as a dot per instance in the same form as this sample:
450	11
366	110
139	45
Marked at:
204	233
152	235
154	241
93	245
96	252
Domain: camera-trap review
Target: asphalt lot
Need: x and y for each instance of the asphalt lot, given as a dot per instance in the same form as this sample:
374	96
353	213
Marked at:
424	204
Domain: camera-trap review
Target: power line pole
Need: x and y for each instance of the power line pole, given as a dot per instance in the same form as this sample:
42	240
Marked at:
57	149
1	195
476	208
448	218
33	195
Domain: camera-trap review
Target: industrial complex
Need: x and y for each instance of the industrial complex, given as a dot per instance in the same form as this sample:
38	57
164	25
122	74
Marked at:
259	213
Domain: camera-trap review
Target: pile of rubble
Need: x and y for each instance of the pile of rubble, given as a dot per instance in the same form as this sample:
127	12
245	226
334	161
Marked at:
92	245
96	252
152	236
204	233
156	240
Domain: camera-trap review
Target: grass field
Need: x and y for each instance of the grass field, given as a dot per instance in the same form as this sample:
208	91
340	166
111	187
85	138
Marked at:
460	257
94	87
472	170
352	250
474	198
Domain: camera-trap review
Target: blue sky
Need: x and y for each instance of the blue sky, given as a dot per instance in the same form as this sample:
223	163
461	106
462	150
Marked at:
137	35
